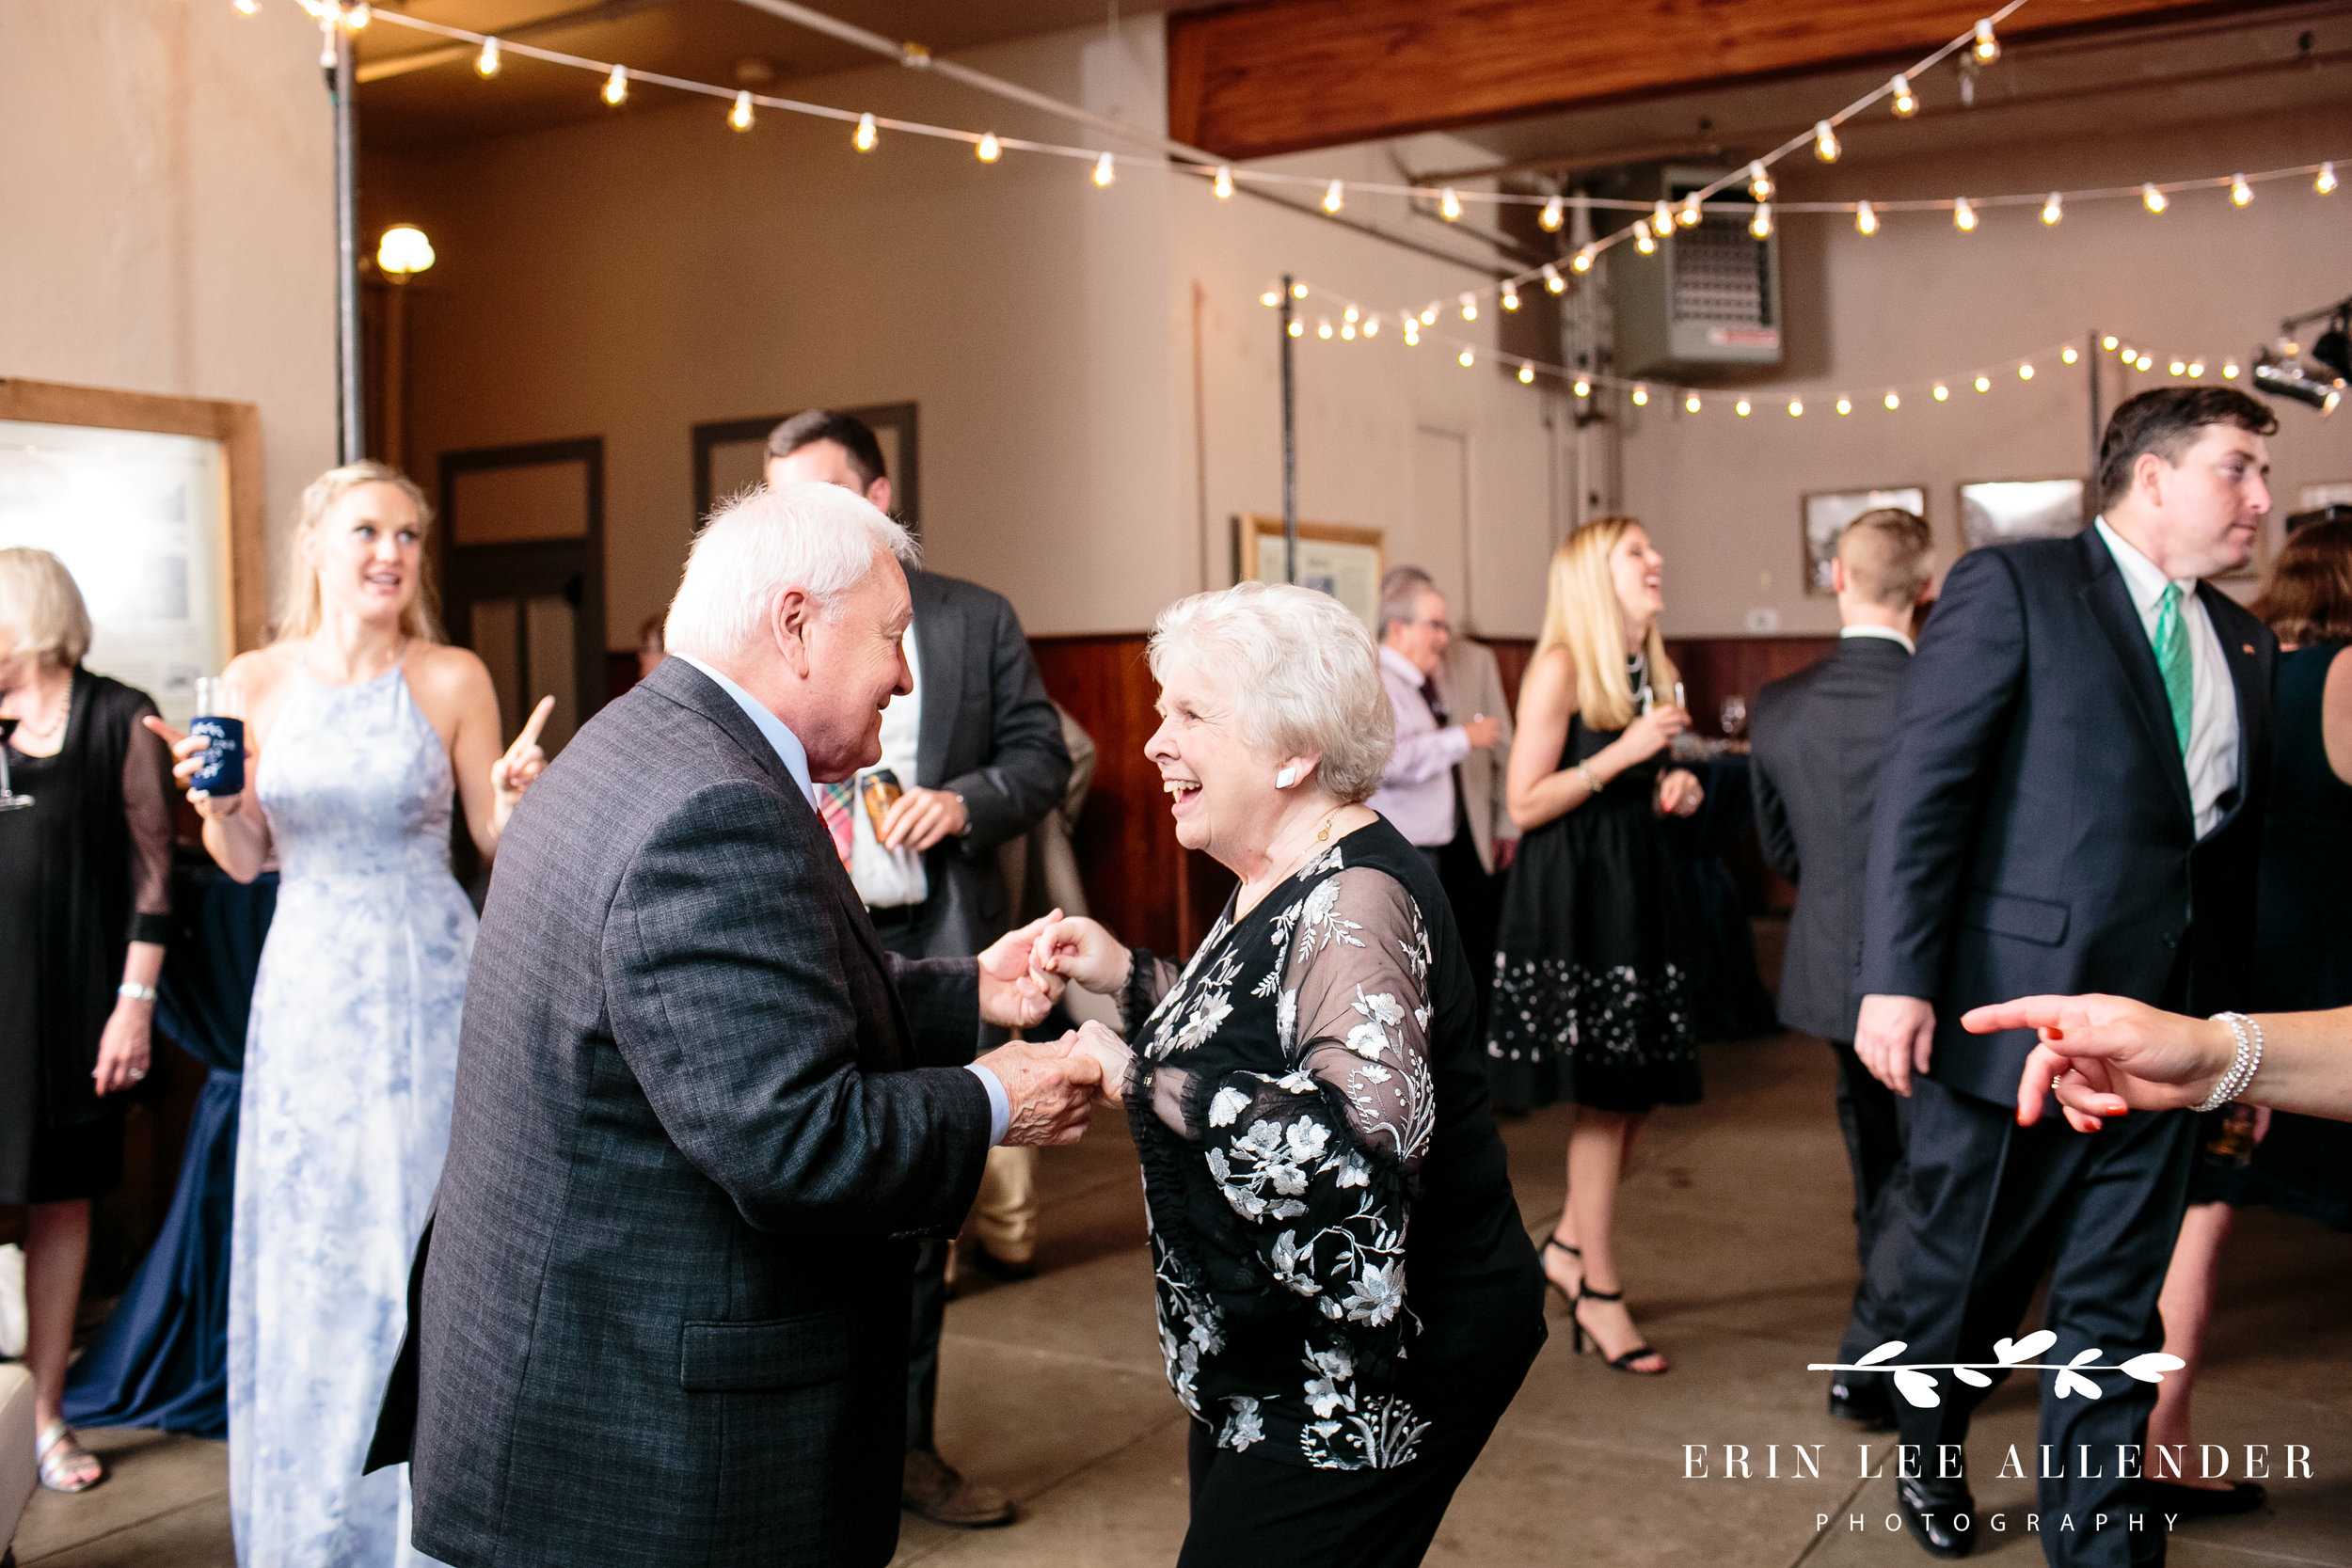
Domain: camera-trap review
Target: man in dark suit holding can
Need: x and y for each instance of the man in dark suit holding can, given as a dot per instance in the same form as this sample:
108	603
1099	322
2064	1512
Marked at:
2072	802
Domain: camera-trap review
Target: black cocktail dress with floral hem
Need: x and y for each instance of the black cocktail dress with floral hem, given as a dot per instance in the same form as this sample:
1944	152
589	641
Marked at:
1340	1269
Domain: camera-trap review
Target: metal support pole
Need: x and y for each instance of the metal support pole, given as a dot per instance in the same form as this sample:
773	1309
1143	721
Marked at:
2098	418
1290	448
352	436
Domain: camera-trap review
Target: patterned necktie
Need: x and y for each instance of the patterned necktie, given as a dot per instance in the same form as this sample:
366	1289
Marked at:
1437	704
2172	657
832	803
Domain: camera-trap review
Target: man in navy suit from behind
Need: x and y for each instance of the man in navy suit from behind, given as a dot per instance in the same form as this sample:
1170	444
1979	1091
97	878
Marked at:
1819	737
2072	802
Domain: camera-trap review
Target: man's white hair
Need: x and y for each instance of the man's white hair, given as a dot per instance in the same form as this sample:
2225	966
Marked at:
819	538
1303	670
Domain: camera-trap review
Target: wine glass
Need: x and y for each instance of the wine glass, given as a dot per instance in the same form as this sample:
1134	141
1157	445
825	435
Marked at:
1735	714
9	799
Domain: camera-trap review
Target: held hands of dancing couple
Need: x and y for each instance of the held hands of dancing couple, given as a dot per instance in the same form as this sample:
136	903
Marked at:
1053	1084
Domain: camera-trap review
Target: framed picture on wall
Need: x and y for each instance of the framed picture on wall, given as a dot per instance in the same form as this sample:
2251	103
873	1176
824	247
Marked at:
1338	558
1824	515
155	506
1998	511
731	455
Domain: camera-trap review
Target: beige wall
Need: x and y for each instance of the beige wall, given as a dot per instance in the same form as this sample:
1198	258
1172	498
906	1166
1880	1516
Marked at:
632	277
1921	299
169	188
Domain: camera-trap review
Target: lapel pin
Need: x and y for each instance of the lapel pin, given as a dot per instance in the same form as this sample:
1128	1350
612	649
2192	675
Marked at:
2246	648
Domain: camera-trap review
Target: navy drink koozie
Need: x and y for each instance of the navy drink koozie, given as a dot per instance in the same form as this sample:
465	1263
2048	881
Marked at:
218	706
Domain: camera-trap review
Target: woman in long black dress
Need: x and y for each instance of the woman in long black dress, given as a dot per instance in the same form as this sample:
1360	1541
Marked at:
1346	1298
2297	1165
85	875
1592	979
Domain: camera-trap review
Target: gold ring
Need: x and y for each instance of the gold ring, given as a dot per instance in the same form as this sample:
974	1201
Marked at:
2054	1081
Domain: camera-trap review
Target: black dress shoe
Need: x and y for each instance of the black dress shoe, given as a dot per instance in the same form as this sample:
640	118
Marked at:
2198	1502
1928	1510
1865	1405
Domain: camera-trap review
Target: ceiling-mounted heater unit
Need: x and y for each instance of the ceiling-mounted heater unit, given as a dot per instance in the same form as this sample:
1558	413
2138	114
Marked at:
1710	299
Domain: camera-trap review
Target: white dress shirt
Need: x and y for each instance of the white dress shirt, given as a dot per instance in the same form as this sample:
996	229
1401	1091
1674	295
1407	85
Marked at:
1416	790
891	878
1889	633
795	756
2210	759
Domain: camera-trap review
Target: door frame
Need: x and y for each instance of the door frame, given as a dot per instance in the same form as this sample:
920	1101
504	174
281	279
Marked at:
906	484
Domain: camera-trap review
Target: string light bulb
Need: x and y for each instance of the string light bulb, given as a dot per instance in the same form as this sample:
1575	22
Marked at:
2068	356
1351	314
1298	328
1412	330
1824	142
1796	408
616	87
741	116
1347	332
1943	393
1271	298
1106	170
1509	298
2240	192
1428	315
1688	215
1372	326
1641	397
1893	402
1740	408
2142	362
1865	220
1690	403
1988	48
1759	182
1845	405
1527	375
1643	243
1583	388
2053	209
1469	307
247	8
1466	359
484	64
2325	183
1224	186
1905	105
1661	218
866	136
1963	216
355	18
1448	205
2153	199
1984	384
2195	369
1552	216
1761	225
2178	366
986	150
1554	283
2229	371
1322	328
1334	197
1583	262
2024	373
2107	343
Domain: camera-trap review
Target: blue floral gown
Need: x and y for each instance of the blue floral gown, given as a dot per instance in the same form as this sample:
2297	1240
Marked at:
351	1062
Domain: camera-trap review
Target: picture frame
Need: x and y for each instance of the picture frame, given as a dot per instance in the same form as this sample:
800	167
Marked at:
2000	511
1822	516
1343	560
730	455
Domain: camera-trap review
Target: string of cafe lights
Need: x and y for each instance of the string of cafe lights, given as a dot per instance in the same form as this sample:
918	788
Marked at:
1356	325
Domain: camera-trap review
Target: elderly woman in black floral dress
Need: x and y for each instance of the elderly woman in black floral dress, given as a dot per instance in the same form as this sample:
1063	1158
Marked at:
1346	1298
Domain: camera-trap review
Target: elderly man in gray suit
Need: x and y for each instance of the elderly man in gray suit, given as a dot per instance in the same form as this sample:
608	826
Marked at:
660	1314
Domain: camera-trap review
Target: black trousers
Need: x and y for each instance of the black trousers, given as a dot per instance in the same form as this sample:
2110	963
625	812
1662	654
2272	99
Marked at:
1875	1121
1991	1206
1248	1509
907	935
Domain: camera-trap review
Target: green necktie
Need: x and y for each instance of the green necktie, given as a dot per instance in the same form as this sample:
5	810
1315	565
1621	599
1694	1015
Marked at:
2172	657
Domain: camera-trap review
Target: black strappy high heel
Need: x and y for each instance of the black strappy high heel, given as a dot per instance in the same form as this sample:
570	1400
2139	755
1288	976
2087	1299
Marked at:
1579	1334
1550	1283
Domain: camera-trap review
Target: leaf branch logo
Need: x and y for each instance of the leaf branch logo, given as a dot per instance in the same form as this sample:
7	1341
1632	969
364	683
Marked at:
1912	1379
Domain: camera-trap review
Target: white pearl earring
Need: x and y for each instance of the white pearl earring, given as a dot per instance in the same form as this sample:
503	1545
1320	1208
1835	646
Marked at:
1287	777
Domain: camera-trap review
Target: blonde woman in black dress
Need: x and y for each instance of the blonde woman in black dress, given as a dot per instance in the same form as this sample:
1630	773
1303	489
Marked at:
1592	984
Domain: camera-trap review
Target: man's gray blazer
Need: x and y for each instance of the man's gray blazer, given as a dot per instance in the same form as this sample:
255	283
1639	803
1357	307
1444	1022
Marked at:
989	733
660	1316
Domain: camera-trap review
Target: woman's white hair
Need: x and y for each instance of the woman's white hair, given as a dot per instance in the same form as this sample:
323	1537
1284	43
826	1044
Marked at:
1302	668
819	538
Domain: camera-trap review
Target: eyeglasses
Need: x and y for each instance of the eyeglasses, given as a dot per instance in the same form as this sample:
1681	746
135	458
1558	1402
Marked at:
1443	626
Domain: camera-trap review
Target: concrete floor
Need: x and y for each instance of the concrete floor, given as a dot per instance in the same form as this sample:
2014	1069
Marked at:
1738	1257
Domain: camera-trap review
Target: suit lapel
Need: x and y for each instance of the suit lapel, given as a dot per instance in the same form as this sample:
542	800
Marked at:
2110	600
939	637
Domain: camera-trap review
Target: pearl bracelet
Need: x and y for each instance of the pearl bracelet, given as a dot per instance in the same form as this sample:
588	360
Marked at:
131	991
2242	1068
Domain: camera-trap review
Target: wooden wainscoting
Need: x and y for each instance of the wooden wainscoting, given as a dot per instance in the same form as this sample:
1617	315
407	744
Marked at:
1712	668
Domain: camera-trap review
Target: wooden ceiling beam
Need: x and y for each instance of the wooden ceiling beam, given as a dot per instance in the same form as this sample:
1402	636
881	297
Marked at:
1252	80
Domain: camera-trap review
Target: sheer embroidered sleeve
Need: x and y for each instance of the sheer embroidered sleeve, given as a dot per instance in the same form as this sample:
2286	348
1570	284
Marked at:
1149	979
1318	1160
146	805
